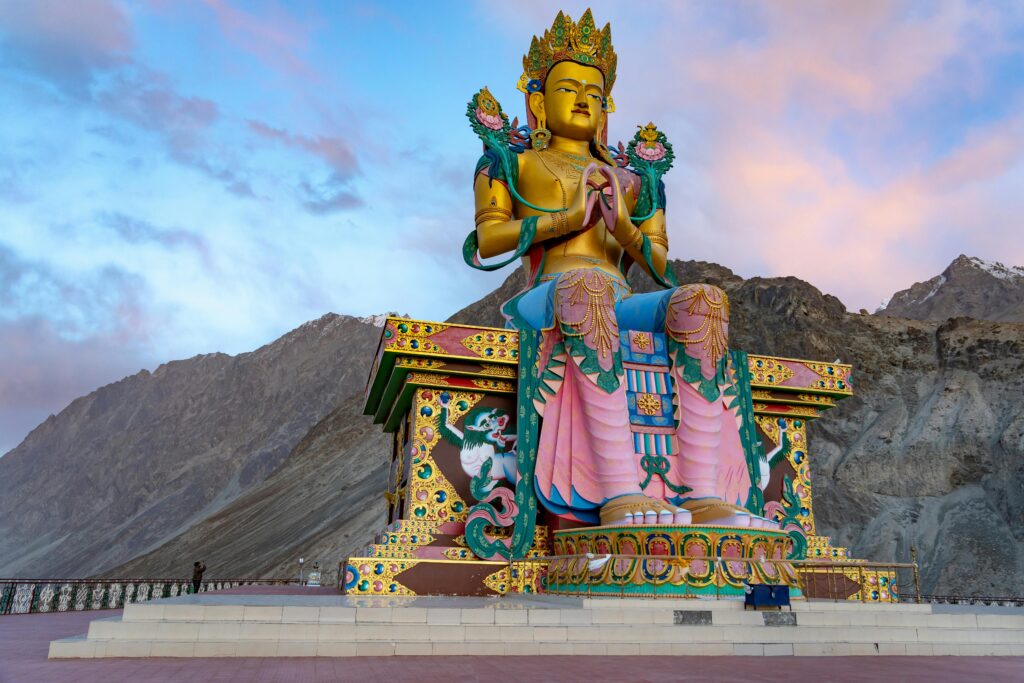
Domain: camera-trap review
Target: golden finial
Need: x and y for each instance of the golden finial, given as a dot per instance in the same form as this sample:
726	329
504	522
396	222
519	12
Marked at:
567	41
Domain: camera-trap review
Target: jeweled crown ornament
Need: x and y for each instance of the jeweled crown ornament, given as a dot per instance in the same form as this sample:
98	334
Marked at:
568	41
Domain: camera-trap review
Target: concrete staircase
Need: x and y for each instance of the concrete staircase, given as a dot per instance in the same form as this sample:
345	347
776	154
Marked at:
341	627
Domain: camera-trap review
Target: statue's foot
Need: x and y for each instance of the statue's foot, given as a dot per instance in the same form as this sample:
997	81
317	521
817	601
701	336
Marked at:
641	509
713	511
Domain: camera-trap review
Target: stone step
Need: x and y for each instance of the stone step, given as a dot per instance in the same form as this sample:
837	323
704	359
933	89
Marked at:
80	647
690	612
530	625
116	629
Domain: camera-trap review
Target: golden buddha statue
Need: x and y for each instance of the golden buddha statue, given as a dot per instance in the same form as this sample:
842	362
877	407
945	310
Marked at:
578	218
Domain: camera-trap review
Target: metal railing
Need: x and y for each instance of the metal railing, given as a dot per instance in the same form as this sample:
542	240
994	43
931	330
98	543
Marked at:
581	574
28	596
1003	601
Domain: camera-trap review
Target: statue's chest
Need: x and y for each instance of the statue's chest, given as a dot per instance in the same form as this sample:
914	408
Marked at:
550	180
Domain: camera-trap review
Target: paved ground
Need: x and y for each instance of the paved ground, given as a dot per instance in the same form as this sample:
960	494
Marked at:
25	639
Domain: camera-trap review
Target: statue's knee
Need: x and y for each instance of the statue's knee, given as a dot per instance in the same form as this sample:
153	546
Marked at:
698	315
580	294
699	300
586	284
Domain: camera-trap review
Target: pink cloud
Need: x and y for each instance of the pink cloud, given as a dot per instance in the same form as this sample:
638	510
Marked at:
276	38
864	55
796	154
335	152
66	41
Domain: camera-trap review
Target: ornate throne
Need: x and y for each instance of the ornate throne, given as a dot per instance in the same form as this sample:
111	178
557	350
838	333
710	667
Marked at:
427	376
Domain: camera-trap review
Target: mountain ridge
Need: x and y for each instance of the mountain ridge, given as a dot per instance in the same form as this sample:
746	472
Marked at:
911	459
969	286
929	452
120	468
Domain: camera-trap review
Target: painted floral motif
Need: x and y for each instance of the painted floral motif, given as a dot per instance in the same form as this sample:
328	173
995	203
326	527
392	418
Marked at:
97	597
81	597
488	113
650	151
648	147
115	595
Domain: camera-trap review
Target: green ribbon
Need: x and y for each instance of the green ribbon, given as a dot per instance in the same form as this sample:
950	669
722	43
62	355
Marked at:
659	465
471	246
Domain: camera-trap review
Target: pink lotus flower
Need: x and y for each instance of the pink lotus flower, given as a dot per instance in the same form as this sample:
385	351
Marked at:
489	120
650	152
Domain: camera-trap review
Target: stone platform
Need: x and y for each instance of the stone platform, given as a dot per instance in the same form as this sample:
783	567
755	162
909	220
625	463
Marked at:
343	626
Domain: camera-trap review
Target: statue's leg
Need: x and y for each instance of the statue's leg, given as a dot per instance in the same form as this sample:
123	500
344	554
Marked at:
647	313
585	463
711	458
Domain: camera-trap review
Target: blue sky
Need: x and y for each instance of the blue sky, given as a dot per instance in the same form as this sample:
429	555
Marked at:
186	177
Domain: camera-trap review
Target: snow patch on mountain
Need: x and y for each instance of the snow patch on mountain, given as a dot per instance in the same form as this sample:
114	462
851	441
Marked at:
997	269
935	288
379	319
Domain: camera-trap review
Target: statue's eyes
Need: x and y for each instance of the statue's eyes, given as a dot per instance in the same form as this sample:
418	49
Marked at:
567	90
596	97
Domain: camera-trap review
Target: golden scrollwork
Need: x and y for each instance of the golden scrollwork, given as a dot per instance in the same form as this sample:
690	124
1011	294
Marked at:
768	371
493	344
494	370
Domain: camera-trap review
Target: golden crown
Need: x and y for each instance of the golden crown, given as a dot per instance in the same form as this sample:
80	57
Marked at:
567	41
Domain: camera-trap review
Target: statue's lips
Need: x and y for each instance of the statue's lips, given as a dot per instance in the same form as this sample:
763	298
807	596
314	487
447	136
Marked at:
581	112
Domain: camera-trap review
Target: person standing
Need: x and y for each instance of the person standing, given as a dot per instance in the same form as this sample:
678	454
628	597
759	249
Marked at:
197	575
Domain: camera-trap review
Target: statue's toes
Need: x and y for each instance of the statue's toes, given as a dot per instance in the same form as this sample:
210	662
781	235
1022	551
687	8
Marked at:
664	517
739	519
682	516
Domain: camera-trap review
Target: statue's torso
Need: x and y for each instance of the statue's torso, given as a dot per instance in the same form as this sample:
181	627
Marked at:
550	179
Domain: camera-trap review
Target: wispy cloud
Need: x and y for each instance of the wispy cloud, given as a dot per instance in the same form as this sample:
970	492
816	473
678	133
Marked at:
58	332
275	36
336	191
135	230
86	50
68	43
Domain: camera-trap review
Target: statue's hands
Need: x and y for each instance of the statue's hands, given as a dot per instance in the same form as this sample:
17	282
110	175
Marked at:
606	201
624	231
579	213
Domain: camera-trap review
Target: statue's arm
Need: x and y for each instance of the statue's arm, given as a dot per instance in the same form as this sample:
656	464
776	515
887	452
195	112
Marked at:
497	229
630	236
654	228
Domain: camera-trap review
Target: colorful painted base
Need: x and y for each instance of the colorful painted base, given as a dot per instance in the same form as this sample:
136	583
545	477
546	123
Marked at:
394	576
668	561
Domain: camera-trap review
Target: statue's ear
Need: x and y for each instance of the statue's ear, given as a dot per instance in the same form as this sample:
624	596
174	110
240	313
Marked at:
537	106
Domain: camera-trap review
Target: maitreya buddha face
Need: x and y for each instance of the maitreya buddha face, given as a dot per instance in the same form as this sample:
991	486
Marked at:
572	101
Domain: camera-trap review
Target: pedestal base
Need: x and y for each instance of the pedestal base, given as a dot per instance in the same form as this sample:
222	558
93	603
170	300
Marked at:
668	561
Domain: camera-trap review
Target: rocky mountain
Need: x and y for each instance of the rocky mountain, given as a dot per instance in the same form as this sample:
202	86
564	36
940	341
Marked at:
930	452
324	502
122	470
971	287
